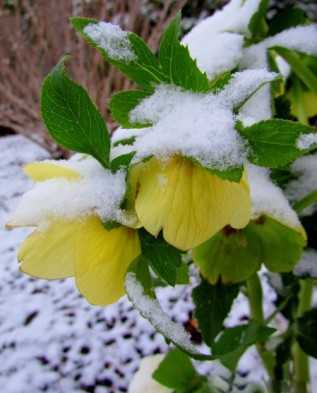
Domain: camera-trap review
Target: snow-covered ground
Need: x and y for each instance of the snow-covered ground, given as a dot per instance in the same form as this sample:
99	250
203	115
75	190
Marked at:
51	339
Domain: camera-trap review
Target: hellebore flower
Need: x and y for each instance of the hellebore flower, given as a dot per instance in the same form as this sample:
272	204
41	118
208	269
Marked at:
70	206
188	171
274	236
186	201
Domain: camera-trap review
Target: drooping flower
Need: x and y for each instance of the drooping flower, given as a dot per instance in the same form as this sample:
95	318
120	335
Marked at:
69	208
274	236
183	161
186	201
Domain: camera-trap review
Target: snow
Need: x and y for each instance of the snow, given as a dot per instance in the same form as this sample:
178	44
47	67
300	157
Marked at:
308	264
217	42
269	199
152	311
305	169
301	38
112	39
97	192
195	125
306	141
218	54
52	340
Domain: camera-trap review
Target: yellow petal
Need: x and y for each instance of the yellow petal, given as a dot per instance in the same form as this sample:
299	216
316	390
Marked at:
188	202
49	253
41	171
102	259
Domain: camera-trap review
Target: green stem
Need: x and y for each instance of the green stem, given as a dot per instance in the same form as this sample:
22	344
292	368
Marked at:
301	361
255	295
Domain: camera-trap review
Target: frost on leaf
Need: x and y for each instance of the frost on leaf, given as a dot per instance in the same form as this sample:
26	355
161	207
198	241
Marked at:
112	39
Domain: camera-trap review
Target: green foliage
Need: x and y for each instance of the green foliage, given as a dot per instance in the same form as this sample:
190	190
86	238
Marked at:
306	328
258	26
233	342
213	303
144	69
71	117
173	66
273	142
123	103
287	18
177	63
303	72
307	201
140	268
163	258
121	162
177	372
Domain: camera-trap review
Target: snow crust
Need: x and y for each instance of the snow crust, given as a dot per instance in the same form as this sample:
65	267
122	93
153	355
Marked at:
152	311
306	141
112	39
269	199
98	192
301	38
216	42
305	169
199	126
307	266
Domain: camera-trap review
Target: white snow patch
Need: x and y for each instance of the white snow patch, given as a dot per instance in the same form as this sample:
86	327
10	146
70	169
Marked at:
308	264
152	311
305	168
306	141
301	38
216	54
217	42
112	39
268	199
196	125
98	192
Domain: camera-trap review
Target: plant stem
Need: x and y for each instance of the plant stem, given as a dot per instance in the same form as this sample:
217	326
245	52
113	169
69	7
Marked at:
301	361
255	296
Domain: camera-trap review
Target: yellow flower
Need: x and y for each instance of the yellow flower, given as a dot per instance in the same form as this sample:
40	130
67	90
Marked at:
81	247
186	201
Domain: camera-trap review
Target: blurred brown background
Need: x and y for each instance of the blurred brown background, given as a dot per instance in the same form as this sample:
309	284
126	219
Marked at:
34	34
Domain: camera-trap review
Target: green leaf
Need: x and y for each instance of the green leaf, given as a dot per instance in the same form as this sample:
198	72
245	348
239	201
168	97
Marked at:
287	18
140	267
177	372
123	103
182	275
281	246
257	25
71	117
213	303
177	63
163	258
233	342
299	67
273	142
220	82
121	162
308	200
230	256
305	331
232	174
144	69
